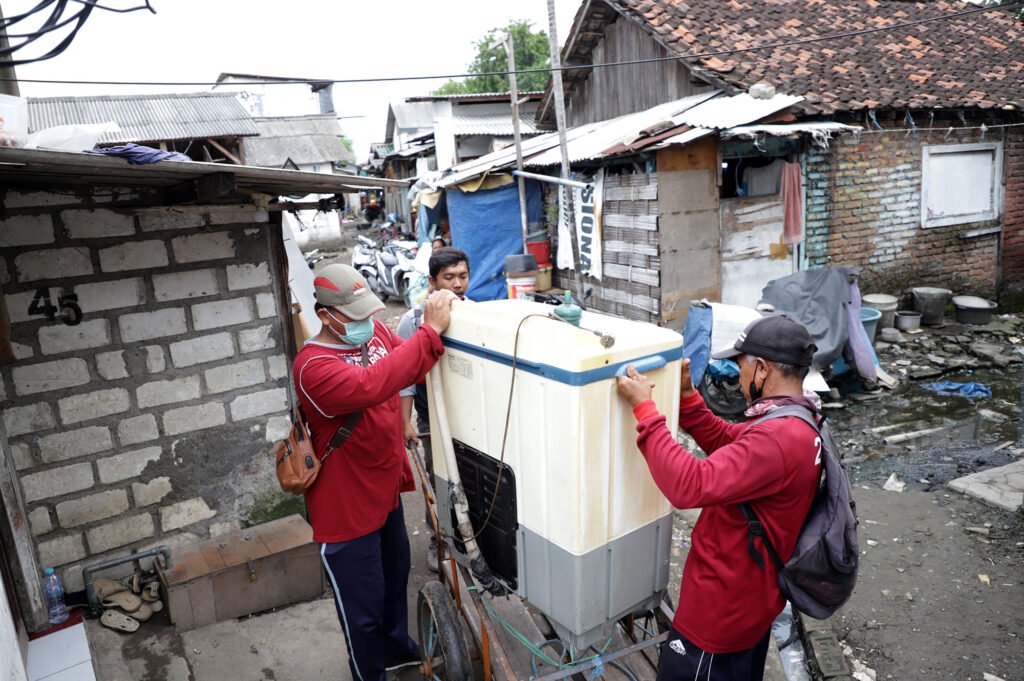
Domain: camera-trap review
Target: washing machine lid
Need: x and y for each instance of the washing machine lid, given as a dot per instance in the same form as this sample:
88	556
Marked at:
554	349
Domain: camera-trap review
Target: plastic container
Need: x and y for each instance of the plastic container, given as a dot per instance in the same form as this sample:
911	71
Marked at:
535	231
973	310
908	320
541	250
931	303
885	304
53	591
520	274
869	318
544	277
577	507
521	283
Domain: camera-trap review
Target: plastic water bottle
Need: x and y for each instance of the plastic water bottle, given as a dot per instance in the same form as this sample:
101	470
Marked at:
53	588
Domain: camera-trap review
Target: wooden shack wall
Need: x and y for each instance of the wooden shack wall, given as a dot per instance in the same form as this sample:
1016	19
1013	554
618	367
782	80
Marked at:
631	282
619	90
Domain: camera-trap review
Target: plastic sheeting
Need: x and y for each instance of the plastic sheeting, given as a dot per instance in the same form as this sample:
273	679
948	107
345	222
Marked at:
486	225
971	389
697	341
815	298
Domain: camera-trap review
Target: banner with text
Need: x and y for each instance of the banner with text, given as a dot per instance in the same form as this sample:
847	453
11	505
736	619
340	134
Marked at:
587	204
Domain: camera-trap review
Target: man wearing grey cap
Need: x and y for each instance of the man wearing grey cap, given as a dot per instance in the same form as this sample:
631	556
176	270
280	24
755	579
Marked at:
347	379
727	603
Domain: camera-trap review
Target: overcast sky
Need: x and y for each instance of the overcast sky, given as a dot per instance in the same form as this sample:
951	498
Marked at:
195	40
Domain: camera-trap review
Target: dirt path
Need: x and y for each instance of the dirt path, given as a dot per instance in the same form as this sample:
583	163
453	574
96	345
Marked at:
936	600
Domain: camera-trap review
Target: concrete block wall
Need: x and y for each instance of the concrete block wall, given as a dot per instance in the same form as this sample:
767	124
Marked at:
863	208
148	421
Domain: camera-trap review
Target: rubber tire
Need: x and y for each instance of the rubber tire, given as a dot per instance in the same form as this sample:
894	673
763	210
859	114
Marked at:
437	620
717	405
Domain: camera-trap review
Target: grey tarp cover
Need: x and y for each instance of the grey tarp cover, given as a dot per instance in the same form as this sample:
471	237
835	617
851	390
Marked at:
815	299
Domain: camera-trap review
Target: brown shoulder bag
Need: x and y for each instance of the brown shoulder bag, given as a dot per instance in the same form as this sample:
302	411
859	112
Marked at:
297	464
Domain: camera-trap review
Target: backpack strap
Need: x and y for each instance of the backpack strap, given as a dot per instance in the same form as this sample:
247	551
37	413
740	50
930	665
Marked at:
754	526
756	529
346	428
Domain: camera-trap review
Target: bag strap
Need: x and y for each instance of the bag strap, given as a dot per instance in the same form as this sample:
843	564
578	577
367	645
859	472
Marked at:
346	428
754	526
756	529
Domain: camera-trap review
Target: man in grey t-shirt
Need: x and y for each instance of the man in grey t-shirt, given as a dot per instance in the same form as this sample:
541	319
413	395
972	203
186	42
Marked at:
448	270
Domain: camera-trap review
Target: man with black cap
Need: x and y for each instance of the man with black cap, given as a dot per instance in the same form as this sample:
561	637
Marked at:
347	379
727	603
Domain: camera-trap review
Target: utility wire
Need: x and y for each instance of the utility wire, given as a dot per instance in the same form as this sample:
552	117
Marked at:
570	67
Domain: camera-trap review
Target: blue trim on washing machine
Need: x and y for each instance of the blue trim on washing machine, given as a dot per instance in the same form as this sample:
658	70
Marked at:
554	373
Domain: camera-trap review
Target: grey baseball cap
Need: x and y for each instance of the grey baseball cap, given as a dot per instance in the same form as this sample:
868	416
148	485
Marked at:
342	287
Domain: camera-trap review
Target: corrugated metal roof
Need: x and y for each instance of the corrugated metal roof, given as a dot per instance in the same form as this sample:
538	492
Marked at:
676	122
148	118
494	123
303	139
413	115
45	168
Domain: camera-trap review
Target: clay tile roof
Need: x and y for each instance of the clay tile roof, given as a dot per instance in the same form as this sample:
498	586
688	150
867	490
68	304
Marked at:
970	61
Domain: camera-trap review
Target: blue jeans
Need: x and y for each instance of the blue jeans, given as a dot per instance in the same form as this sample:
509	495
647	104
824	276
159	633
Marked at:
369	576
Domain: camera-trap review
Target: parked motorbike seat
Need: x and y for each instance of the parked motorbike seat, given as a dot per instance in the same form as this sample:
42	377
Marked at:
388	259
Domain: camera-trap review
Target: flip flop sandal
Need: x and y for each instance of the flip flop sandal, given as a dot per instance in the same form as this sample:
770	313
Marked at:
151	592
156	606
105	587
125	600
119	621
131	582
143	613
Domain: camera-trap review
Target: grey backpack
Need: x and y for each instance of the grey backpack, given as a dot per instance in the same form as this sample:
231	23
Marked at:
822	572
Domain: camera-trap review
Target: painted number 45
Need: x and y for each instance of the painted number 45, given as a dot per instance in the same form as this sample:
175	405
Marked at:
70	313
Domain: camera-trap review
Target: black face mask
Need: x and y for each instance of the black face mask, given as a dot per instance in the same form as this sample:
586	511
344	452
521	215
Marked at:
755	392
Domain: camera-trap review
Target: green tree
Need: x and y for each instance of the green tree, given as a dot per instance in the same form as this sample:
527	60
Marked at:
531	50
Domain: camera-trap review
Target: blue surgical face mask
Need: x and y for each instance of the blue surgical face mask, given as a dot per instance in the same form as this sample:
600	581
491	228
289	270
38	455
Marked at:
356	333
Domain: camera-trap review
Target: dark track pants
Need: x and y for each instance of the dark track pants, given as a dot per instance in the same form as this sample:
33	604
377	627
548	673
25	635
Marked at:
369	576
682	660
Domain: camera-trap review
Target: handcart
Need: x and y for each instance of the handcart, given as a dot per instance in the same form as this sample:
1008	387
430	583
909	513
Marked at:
506	639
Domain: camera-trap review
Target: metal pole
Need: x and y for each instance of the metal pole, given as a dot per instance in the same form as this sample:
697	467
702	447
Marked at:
9	86
558	94
552	180
514	94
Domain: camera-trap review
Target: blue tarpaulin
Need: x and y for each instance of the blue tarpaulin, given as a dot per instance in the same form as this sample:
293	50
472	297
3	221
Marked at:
971	389
486	225
697	341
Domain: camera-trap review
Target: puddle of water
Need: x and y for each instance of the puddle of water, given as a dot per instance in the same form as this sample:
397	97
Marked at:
968	428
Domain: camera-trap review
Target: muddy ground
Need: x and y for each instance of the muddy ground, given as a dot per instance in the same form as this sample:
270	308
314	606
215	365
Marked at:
941	587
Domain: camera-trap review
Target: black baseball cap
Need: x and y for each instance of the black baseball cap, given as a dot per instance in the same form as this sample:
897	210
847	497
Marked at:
776	339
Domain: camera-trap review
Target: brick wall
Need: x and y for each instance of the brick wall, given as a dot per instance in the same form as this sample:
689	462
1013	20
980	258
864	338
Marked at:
864	209
147	422
1011	294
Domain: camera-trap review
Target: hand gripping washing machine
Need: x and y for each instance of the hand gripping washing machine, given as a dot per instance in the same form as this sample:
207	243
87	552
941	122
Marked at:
578	527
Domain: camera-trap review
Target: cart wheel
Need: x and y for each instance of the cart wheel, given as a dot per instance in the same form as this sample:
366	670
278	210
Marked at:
441	637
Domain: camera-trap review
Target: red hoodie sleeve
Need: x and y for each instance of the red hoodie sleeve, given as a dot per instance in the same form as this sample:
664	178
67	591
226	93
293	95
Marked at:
720	479
341	388
709	431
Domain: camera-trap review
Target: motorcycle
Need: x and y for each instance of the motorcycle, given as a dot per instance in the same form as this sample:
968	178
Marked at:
387	267
825	300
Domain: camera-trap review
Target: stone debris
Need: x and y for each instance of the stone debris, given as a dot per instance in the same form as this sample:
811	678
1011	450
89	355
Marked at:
1002	487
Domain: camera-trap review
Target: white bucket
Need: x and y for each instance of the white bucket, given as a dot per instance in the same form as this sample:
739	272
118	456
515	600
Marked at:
885	304
521	282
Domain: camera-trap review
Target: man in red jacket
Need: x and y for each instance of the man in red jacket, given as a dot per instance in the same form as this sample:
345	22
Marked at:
356	364
727	603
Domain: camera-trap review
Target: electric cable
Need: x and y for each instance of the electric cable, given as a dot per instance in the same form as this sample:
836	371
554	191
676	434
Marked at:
548	69
52	23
